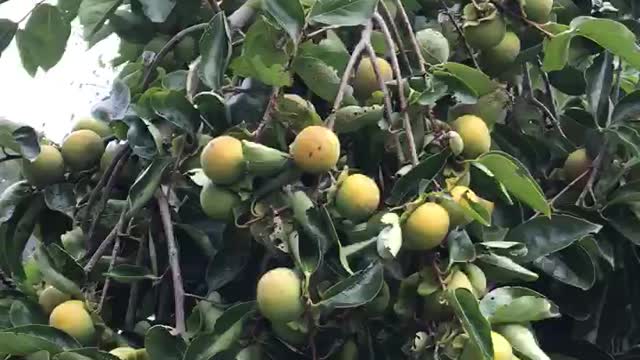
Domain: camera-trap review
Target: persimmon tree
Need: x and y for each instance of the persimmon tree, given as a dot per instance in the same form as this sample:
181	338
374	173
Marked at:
330	179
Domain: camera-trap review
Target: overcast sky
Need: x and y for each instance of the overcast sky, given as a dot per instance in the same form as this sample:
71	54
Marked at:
50	100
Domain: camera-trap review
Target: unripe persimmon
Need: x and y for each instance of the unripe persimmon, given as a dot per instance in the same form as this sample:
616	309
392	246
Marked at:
475	135
82	149
365	81
279	295
316	149
426	227
222	160
358	197
46	169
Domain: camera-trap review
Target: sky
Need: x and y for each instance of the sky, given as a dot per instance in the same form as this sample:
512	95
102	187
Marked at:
51	100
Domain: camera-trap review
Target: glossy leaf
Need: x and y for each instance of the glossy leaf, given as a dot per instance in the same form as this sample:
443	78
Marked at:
544	236
215	47
94	13
504	269
467	310
475	79
516	178
288	14
146	185
517	304
342	12
427	169
27	139
161	345
461	248
12	197
61	198
573	266
24	340
320	78
7	30
356	290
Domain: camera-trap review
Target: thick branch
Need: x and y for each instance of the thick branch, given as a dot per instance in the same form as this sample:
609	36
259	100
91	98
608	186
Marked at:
401	96
355	54
384	11
174	261
412	37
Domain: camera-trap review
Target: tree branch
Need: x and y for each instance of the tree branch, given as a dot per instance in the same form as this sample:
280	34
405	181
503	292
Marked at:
134	291
107	281
412	37
401	96
355	54
105	243
120	160
10	157
150	70
384	11
174	261
461	34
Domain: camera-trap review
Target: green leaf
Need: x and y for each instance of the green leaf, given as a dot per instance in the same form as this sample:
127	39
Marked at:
263	57
288	14
504	269
157	10
599	77
312	241
467	310
53	277
26	313
628	108
27	139
356	290
94	13
330	50
408	183
24	340
523	341
7	30
215	49
146	185
342	12
227	330
461	248
474	78
262	160
140	137
228	264
161	345
573	266
320	78
213	109
516	179
12	197
175	108
116	105
85	354
610	34
66	264
44	39
69	8
61	197
128	274
18	232
544	236
511	304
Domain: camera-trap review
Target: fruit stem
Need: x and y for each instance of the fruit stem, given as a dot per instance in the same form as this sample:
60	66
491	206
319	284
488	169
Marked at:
401	96
412	37
355	54
384	11
174	261
268	114
461	34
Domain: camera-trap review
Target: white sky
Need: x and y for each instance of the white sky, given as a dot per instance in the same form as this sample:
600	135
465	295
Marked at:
50	100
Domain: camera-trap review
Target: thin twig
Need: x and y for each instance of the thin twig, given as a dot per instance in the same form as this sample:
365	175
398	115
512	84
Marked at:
134	291
31	11
150	70
103	180
107	191
268	114
107	281
615	96
401	96
562	192
384	11
387	100
549	91
105	243
313	34
461	34
412	37
10	157
523	19
174	261
355	54
592	178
